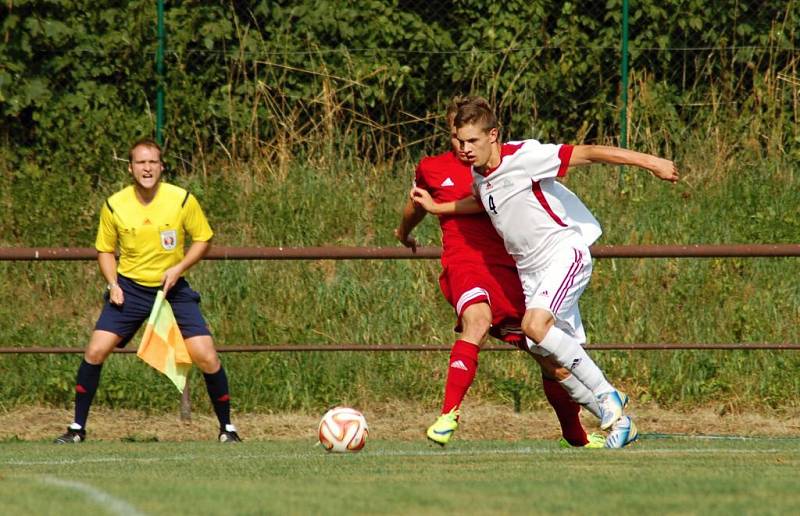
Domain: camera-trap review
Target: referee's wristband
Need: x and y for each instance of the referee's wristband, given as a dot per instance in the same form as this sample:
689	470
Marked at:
111	285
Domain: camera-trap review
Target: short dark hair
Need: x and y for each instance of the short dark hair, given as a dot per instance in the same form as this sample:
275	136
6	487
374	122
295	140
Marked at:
475	111
144	142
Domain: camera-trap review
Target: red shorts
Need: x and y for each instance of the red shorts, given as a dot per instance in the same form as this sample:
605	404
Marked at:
464	284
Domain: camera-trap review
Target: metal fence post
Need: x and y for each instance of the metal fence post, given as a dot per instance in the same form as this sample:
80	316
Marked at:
160	75
623	116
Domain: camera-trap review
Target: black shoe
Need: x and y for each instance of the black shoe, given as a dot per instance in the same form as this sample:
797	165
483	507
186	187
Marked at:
72	436
229	435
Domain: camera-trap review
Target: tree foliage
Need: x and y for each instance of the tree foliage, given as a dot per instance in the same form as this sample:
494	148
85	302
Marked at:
261	78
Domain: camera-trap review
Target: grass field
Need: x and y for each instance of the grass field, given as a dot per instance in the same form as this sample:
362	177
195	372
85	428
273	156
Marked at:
661	474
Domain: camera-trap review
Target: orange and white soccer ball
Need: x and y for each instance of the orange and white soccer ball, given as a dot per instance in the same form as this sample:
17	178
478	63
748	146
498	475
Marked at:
343	429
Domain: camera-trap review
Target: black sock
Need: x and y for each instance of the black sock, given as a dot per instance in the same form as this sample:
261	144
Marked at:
217	385
85	387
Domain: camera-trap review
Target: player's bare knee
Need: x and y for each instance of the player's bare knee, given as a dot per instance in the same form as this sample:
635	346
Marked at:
206	360
95	356
536	324
476	320
100	346
204	355
207	363
537	332
476	331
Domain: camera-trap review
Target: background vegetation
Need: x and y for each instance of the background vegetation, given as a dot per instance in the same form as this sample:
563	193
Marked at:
299	123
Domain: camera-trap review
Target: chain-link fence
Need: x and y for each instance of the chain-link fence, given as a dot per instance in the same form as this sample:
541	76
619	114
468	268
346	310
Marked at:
273	78
384	70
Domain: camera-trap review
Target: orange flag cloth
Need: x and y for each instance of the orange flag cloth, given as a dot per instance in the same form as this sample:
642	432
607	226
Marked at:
162	345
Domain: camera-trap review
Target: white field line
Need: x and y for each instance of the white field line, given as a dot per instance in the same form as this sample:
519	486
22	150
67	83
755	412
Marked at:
268	456
104	500
687	437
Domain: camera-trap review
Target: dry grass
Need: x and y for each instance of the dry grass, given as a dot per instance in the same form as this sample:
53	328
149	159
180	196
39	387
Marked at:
390	421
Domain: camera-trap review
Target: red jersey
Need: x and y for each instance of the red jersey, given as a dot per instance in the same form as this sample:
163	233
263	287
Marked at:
465	238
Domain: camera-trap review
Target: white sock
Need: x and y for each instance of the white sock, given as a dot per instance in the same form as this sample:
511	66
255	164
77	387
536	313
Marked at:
568	352
534	347
581	394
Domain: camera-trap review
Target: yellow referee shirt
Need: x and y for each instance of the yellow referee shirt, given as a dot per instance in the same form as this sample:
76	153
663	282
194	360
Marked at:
150	237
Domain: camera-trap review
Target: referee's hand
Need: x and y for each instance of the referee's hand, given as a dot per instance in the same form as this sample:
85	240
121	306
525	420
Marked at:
171	276
115	295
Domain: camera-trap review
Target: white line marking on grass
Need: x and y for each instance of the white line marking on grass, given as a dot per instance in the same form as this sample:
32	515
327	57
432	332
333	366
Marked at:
704	451
534	451
284	456
92	460
658	435
105	500
399	453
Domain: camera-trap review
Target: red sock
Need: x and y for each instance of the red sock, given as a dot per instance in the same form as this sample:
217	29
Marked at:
460	373
567	411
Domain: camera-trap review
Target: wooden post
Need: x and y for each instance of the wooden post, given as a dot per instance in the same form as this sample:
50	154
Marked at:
186	403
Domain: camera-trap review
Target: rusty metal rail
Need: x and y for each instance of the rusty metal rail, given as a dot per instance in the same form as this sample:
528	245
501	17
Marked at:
289	348
388	253
394	253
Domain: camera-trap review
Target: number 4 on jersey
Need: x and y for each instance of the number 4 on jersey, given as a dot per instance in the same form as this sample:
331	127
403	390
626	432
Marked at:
492	206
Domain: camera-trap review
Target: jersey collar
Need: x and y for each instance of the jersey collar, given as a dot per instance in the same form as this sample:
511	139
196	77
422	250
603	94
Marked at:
506	149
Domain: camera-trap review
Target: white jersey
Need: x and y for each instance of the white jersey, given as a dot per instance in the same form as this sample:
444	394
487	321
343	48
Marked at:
532	211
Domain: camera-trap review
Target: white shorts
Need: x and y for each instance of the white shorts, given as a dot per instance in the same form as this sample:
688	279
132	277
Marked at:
558	287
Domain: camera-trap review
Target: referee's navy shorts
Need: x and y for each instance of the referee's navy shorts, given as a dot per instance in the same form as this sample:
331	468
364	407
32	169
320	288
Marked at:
125	320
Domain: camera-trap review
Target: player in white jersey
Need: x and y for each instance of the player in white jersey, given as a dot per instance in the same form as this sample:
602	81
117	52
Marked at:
547	230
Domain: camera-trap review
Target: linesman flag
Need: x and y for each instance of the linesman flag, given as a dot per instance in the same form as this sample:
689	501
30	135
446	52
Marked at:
162	345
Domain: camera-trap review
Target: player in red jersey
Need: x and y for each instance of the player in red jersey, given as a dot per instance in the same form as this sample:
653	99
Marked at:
480	280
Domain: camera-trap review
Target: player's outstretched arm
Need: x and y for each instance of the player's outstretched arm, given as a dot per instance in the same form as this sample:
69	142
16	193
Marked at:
412	216
588	154
465	206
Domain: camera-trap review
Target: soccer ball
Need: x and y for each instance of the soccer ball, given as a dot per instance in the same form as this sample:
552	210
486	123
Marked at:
343	429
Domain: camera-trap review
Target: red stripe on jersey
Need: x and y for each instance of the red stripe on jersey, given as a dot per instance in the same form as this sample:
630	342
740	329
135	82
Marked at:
564	155
537	191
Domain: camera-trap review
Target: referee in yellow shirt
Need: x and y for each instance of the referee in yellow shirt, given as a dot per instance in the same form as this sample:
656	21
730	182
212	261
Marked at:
148	221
